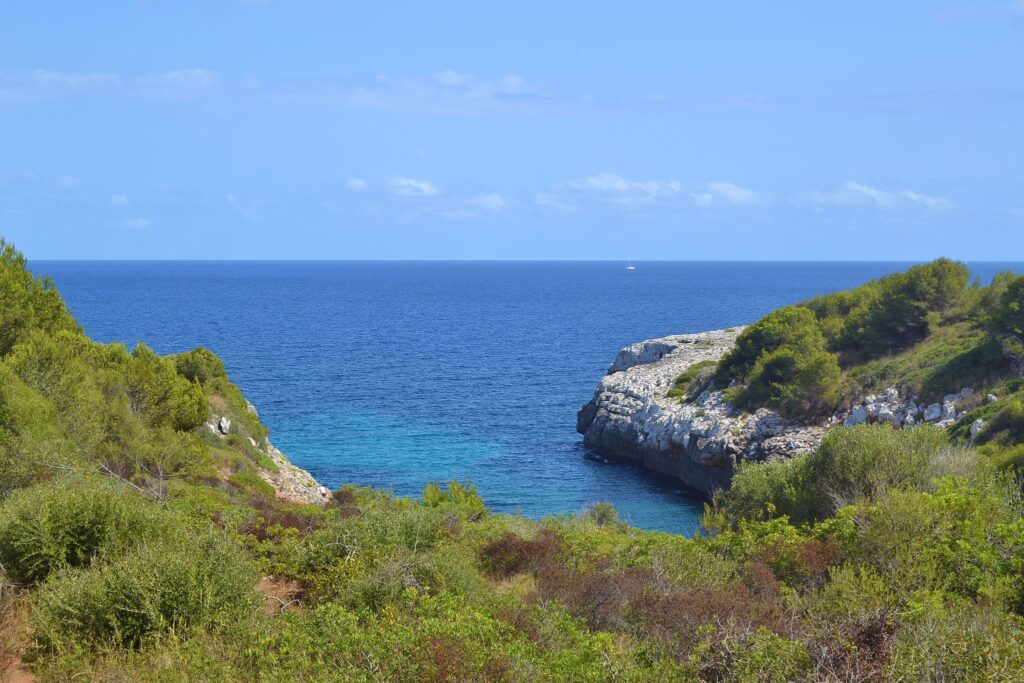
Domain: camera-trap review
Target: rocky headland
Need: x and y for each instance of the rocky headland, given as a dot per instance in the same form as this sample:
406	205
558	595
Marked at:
289	481
632	418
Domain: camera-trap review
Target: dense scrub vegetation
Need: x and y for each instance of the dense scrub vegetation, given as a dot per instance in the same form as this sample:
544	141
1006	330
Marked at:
137	545
926	329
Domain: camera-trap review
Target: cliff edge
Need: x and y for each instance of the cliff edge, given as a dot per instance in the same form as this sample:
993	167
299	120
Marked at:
632	418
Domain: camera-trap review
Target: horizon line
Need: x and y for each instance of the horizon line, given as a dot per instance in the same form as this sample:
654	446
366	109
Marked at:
494	260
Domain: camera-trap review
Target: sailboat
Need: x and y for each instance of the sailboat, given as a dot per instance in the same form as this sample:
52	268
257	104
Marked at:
629	264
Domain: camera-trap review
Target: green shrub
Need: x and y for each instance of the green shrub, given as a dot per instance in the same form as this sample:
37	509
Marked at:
793	327
158	393
758	657
1007	427
957	539
692	381
787	360
463	497
897	315
170	586
30	440
26	302
862	463
851	464
199	365
799	384
50	527
764	490
1008	317
780	361
249	480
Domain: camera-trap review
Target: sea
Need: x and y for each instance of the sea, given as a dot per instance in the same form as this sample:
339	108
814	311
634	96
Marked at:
395	374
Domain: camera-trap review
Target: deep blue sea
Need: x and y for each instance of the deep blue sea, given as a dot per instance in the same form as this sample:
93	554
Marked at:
392	374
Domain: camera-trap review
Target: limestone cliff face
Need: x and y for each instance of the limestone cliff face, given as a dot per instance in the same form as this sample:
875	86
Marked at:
631	417
289	481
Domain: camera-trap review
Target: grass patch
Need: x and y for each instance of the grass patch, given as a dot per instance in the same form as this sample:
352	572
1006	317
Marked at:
954	356
695	379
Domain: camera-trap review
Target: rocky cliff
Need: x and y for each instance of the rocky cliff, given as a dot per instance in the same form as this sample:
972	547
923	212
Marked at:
632	418
289	481
699	442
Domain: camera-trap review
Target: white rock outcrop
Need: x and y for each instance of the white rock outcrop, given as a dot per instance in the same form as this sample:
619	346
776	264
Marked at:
632	418
700	442
289	481
933	413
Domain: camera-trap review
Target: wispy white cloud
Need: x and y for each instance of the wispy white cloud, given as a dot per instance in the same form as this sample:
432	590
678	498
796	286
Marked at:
553	202
66	182
445	92
138	223
118	199
356	185
180	83
491	202
854	193
453	92
174	84
721	193
411	187
615	188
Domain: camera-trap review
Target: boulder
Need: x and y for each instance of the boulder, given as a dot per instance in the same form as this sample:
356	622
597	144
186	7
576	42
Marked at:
224	425
976	427
948	411
632	419
933	413
991	398
857	416
887	414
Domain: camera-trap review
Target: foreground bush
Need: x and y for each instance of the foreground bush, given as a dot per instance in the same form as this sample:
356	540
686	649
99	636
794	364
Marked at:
73	524
792	359
884	555
851	465
161	587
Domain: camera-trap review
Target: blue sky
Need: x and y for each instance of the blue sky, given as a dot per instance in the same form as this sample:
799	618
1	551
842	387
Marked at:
571	130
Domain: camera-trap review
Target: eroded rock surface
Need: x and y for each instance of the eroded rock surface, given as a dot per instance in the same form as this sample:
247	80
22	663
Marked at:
699	442
632	418
289	482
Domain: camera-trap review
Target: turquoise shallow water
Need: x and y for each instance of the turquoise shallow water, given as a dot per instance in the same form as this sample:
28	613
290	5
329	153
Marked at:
395	374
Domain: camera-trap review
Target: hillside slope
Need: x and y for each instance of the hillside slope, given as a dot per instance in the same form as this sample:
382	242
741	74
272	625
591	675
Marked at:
140	540
912	348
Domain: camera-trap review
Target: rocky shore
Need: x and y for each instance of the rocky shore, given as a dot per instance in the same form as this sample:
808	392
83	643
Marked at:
289	481
700	442
631	417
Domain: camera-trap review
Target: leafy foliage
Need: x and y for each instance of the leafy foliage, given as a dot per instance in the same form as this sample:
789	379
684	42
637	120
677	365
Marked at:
692	381
149	548
1008	317
199	365
51	527
781	361
171	586
924	329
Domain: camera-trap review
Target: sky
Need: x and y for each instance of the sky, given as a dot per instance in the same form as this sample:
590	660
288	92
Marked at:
228	129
